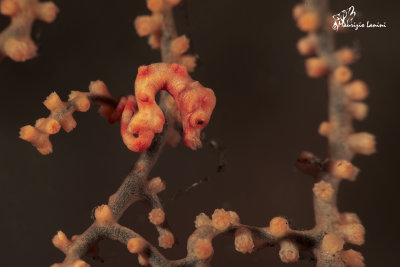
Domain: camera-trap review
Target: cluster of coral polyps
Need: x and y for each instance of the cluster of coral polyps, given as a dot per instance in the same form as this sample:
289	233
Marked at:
334	65
247	239
153	25
344	105
61	115
15	40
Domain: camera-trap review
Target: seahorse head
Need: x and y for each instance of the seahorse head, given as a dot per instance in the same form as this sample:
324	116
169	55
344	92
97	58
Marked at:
196	105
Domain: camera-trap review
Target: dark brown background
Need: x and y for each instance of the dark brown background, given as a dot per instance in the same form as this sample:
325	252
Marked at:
267	112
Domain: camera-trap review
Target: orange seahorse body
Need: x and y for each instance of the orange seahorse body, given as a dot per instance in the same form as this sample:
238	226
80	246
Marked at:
195	104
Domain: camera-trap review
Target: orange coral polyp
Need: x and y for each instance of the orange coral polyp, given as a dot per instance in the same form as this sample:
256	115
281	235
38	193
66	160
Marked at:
166	239
279	227
352	258
203	248
156	216
308	21
9	8
37	138
146	25
332	243
180	45
244	241
155	5
15	40
61	241
194	101
19	50
136	245
103	215
46	12
202	220
221	219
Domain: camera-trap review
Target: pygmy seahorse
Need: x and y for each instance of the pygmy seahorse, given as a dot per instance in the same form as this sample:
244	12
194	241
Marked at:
195	104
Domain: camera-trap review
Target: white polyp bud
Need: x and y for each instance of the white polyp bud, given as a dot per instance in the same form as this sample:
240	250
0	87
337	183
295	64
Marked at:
342	74
316	67
221	219
38	138
53	102
233	217
156	216
353	233
288	252
362	143
155	5
306	46
348	218
346	55
189	61
298	11
68	123
343	169
323	191
48	125
202	220
203	248
99	88
279	227
154	40
358	110
9	8
47	11
243	241
103	215
81	100
308	21
155	185
332	243
166	239
324	128
352	258
146	25
179	45
143	260
61	241
356	90
136	245
19	50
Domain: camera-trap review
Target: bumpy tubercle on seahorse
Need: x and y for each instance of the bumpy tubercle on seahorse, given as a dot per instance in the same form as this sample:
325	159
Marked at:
195	104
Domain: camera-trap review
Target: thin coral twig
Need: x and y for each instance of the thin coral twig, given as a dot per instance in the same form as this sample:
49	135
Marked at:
343	143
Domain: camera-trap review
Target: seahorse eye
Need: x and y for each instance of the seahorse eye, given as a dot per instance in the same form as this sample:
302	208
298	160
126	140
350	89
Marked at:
198	119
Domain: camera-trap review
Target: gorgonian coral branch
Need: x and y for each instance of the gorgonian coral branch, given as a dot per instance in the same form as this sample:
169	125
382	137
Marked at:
61	114
15	40
160	28
344	106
